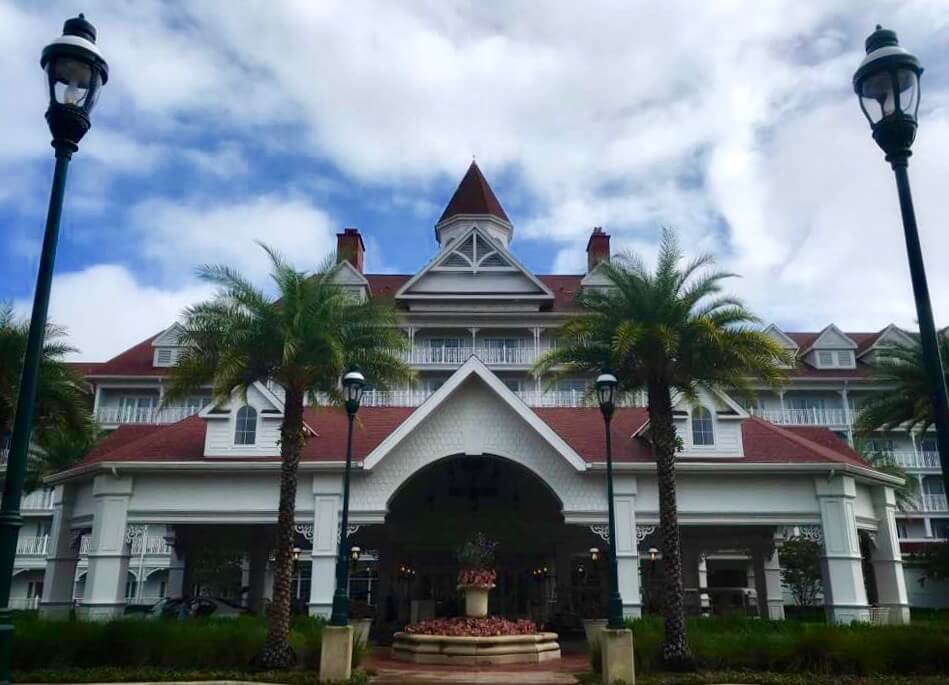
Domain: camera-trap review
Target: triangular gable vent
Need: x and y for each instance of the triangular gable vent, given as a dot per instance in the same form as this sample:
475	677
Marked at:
474	253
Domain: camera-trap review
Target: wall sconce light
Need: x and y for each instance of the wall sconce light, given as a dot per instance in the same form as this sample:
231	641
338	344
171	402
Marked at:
653	553
595	553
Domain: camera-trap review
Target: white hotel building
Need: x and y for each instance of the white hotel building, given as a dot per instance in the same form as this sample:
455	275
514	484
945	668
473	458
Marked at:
481	444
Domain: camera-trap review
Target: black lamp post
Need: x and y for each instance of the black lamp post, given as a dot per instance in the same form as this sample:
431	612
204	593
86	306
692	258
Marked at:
887	84
606	391
75	72
353	384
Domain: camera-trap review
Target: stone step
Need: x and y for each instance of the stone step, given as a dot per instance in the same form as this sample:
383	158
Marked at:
492	677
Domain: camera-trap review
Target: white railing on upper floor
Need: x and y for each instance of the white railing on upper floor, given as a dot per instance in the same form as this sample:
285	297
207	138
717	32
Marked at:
424	355
32	546
144	415
533	398
154	544
24	603
930	503
915	460
802	417
38	500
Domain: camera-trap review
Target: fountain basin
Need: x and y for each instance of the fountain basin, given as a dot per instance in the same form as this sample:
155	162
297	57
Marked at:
471	650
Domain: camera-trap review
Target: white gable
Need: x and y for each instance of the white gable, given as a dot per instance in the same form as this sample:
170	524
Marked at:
781	337
832	338
474	267
475	371
892	336
596	278
348	277
169	337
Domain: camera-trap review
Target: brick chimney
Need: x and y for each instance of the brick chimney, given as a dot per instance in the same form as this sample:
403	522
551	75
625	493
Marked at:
598	248
349	246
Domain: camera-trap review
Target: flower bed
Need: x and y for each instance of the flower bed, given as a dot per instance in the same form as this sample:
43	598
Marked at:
461	626
477	577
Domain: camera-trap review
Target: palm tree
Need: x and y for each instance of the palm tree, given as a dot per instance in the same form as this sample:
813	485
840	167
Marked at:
664	330
908	398
906	494
58	450
60	403
303	339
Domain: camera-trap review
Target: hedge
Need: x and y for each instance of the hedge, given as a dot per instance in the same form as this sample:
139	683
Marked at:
794	646
198	644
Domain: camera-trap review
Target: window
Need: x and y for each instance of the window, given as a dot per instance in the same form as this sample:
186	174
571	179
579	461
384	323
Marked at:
804	402
901	531
702	428
928	445
825	358
845	359
940	528
835	359
933	486
34	589
880	445
245	429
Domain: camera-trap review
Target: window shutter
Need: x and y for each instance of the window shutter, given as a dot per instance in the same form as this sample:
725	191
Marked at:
825	358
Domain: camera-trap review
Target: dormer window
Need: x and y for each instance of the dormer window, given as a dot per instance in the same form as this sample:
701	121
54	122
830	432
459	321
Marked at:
835	359
245	427
703	431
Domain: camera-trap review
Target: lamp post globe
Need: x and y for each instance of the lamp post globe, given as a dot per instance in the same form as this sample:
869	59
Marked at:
887	87
353	383
606	384
75	73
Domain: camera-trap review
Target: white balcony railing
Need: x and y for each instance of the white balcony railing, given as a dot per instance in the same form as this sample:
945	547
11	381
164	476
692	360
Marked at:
456	356
154	544
930	503
38	500
144	415
802	417
24	603
32	546
915	460
533	398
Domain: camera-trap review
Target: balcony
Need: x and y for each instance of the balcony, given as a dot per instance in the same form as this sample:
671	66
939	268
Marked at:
926	461
153	544
32	546
533	398
24	603
420	355
802	417
110	416
38	500
931	503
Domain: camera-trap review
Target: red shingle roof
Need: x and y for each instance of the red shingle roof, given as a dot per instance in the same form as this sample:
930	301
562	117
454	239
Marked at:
582	429
474	196
135	361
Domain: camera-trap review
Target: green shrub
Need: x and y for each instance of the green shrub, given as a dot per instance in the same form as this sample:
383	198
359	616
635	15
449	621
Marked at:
756	645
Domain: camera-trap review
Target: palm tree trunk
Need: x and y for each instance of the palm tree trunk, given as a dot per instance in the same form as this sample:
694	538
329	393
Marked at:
277	652
675	650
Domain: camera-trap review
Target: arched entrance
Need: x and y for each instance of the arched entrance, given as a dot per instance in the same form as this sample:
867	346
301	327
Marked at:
407	570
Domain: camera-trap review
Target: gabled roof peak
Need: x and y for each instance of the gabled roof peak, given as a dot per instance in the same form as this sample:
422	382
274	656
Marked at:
474	196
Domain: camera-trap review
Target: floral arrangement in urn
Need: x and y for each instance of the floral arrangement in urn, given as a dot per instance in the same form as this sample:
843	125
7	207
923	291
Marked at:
476	559
476	576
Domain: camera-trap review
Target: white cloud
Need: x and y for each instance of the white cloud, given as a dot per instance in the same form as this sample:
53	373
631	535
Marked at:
107	310
180	236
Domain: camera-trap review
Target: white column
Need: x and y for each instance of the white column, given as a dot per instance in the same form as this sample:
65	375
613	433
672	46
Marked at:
62	557
327	502
705	601
257	579
176	565
846	402
845	596
104	596
887	560
774	594
627	550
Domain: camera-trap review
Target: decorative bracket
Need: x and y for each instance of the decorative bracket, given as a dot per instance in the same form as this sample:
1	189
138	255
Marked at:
304	529
350	530
602	531
134	532
812	533
643	532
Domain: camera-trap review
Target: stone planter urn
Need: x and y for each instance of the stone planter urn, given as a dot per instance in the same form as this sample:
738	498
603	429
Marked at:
592	627
361	628
476	599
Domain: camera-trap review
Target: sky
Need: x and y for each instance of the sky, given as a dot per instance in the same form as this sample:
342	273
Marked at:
228	122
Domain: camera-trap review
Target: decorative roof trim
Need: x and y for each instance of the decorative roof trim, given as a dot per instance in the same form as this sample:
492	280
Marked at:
776	332
832	328
545	294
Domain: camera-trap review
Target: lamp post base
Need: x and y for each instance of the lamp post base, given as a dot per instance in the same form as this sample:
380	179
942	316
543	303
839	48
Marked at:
616	657
336	654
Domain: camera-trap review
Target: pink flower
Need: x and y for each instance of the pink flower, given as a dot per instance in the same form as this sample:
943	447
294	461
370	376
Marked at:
462	626
477	576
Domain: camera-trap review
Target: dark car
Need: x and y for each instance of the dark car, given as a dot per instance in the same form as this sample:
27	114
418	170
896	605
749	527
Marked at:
196	607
